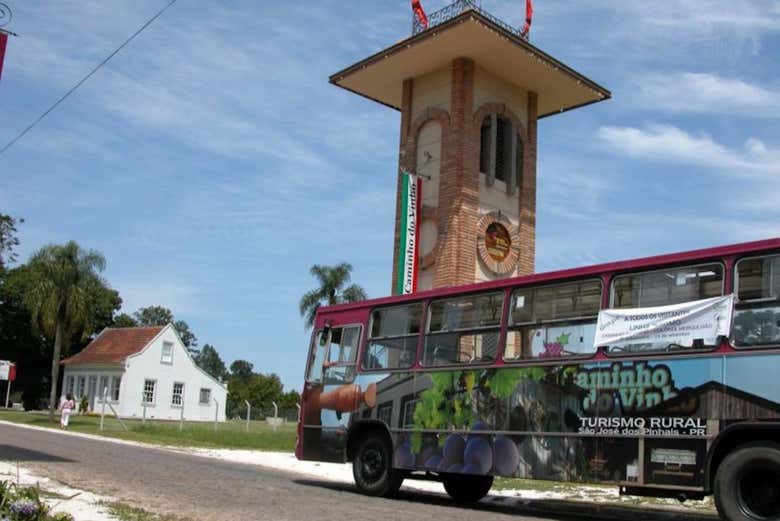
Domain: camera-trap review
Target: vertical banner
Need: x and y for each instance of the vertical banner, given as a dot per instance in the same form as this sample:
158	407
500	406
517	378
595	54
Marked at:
3	42
411	187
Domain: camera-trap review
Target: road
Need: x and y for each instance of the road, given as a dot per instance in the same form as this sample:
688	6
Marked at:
206	489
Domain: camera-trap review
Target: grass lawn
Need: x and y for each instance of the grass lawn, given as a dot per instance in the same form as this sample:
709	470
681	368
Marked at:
229	435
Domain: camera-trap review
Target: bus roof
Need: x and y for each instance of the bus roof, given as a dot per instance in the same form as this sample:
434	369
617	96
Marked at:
739	249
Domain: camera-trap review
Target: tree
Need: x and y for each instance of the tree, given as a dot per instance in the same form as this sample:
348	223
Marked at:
8	240
188	338
65	283
124	320
153	316
161	316
209	360
241	369
332	290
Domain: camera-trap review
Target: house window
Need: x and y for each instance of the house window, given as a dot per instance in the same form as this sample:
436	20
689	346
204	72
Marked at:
69	384
103	389
167	353
81	387
149	388
205	396
177	398
116	382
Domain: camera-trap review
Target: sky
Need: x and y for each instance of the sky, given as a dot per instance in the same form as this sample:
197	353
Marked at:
213	164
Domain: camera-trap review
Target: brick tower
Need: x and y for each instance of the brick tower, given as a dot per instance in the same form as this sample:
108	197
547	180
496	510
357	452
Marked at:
470	91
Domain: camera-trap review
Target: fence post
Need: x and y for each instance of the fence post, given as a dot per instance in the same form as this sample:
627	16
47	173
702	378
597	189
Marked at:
103	408
276	415
216	413
298	405
248	413
143	419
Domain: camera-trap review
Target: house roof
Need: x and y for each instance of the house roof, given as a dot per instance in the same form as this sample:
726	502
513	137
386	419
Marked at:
113	346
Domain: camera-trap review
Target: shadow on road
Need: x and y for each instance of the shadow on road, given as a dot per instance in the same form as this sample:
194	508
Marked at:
12	453
559	510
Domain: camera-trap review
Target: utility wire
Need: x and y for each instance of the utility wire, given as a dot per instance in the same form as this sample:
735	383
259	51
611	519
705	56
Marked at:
85	78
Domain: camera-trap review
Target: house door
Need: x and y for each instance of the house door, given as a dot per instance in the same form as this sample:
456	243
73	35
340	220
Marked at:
92	391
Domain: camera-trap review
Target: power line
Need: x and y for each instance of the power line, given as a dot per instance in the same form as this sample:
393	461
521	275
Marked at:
85	78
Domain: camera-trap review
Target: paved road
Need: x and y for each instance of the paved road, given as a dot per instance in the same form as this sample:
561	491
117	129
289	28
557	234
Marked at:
205	489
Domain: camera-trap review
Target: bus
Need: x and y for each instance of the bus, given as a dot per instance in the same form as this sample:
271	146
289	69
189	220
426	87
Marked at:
527	377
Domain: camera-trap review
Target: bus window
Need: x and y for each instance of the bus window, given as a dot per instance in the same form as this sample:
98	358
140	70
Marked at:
317	356
394	333
757	313
463	330
666	287
662	288
341	355
553	321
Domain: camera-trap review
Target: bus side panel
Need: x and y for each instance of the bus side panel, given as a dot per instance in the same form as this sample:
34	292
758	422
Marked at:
752	390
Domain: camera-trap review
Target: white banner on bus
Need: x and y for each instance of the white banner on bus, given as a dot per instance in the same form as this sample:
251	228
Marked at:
676	324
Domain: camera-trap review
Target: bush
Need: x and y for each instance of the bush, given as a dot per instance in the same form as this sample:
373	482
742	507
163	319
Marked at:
25	504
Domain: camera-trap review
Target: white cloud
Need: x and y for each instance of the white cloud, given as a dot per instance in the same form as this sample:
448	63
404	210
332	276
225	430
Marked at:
706	93
666	143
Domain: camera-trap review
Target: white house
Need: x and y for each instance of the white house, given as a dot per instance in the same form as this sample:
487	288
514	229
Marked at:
144	367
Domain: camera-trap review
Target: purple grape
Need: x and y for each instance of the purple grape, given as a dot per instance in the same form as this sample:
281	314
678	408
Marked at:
433	462
478	430
403	457
453	449
479	453
506	456
471	468
424	455
479	426
457	467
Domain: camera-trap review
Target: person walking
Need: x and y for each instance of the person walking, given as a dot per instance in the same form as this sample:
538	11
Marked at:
66	408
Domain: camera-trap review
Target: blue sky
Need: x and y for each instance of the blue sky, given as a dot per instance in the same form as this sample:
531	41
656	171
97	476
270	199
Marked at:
213	164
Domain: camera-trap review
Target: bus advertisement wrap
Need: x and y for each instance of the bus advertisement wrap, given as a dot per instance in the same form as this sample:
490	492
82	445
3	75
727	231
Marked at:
678	324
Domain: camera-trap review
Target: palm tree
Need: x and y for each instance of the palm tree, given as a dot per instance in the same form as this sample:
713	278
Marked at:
64	279
333	290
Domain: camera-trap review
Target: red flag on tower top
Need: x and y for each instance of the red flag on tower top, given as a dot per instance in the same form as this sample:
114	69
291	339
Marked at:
419	12
3	41
529	15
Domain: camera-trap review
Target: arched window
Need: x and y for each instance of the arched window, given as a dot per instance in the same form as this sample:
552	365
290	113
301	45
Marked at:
501	152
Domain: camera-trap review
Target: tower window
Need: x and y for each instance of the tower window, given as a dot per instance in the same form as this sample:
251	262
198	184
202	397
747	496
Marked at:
501	152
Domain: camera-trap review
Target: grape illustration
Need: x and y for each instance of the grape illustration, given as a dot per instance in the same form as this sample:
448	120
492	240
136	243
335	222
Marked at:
477	430
426	454
403	457
434	462
479	454
458	467
506	456
471	468
453	449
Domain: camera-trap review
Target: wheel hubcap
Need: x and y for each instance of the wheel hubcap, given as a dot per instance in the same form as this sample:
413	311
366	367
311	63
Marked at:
372	464
759	492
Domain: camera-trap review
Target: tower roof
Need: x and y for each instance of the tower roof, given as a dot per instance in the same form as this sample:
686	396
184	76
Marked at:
473	34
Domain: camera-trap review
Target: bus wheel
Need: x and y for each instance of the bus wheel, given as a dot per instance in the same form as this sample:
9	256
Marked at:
465	488
747	483
373	469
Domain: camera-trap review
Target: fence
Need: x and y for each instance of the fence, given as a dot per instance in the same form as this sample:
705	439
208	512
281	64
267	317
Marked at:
453	10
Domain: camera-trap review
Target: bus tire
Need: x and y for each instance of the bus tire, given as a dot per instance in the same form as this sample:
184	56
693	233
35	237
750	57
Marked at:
466	488
372	467
747	483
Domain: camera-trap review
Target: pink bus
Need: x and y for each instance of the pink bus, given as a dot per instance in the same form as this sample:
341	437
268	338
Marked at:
515	378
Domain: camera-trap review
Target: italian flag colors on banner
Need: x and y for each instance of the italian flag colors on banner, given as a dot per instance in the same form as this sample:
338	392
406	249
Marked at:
410	233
